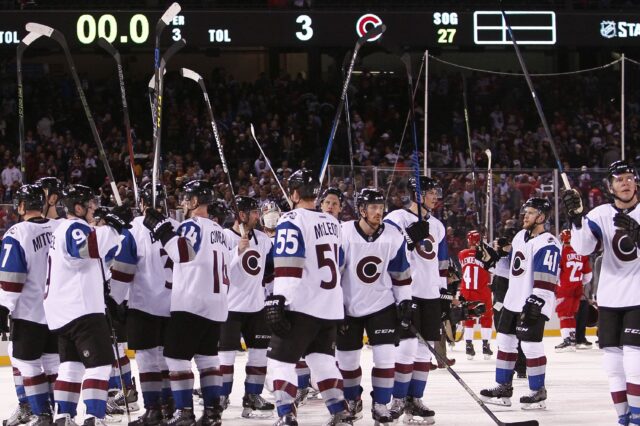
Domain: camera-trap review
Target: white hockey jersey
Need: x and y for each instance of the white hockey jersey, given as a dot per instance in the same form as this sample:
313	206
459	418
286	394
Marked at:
534	270
247	271
430	260
75	283
306	263
376	271
23	268
502	267
143	267
201	257
618	286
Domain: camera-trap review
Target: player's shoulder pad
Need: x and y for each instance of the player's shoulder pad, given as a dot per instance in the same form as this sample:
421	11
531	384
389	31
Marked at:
192	231
289	240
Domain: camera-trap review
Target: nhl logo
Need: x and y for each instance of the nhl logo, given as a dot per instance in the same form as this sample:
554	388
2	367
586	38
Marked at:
86	353
608	29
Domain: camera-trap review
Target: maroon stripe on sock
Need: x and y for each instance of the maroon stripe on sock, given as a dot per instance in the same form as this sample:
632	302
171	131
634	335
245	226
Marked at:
284	386
181	375
383	373
537	362
301	364
226	369
404	368
209	372
327	384
95	384
633	389
67	386
36	380
351	374
507	356
256	371
421	366
150	377
619	397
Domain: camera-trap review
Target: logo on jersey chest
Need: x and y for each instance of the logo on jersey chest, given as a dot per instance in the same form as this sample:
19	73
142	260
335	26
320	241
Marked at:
367	269
517	267
251	262
427	249
623	247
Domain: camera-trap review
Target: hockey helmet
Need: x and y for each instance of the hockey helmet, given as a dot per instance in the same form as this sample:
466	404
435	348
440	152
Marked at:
425	184
146	193
31	195
198	188
369	196
246	204
565	236
618	168
218	209
77	194
270	215
473	237
99	213
541	204
52	185
592	316
332	190
305	182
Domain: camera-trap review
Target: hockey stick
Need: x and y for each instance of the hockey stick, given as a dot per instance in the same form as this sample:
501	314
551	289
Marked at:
536	100
192	75
58	37
489	189
24	43
473	160
104	43
152	93
164	20
273	172
475	397
374	32
347	117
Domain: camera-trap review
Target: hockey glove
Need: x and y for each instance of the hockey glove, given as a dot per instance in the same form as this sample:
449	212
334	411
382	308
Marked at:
275	315
4	319
415	233
532	310
405	313
628	225
487	255
160	227
119	218
572	202
446	297
503	246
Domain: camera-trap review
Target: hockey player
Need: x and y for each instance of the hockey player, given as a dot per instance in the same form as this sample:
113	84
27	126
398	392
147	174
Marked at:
143	267
269	215
75	305
250	254
575	271
614	229
528	304
331	201
198	302
475	287
376	283
306	302
218	212
429	259
25	249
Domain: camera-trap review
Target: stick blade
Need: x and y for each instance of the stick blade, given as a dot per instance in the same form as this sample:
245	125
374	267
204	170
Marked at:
170	13
190	74
524	423
30	38
487	152
39	29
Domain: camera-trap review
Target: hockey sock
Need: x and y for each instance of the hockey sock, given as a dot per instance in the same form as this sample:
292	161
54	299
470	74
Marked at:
125	365
613	363
420	371
468	330
256	371
210	378
37	391
486	332
405	355
227	359
284	388
182	380
382	374
304	374
631	357
114	379
94	390
506	357
51	363
349	365
67	388
150	377
536	363
167	394
330	384
19	384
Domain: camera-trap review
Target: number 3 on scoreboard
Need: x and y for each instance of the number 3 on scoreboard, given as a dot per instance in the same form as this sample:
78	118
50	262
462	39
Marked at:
445	35
305	26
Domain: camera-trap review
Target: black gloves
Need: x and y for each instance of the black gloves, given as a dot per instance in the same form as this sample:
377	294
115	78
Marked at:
628	225
119	218
405	313
572	202
532	310
501	244
275	315
487	255
415	233
446	297
160	227
4	319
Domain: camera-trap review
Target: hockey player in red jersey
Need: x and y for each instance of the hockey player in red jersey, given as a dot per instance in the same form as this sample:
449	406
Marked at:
575	271
475	287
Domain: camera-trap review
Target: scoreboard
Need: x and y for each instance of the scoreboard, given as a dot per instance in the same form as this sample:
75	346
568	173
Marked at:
297	28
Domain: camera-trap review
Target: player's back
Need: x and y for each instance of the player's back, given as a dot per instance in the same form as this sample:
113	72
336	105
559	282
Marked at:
475	279
573	266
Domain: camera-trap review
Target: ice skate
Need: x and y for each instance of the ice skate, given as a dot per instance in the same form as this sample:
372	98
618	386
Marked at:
416	408
132	399
470	350
182	417
499	395
211	416
167	408
381	415
355	408
567	345
301	397
342	418
535	400
287	420
151	417
114	412
224	402
624	419
44	419
584	345
255	406
21	415
397	407
64	420
486	349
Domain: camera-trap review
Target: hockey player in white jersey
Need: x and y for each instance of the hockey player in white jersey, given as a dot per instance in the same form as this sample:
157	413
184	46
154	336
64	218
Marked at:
429	259
200	253
528	305
306	302
331	201
376	283
614	228
23	273
75	305
250	253
143	267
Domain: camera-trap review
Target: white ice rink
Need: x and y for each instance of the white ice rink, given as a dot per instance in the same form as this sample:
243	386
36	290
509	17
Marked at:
577	388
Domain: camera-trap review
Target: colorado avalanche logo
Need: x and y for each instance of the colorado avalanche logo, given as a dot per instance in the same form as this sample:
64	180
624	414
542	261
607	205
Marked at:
623	247
608	29
427	250
367	269
517	267
250	262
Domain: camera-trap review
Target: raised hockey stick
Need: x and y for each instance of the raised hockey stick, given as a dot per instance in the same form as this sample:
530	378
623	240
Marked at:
58	37
192	75
152	93
24	43
104	43
473	160
164	20
273	172
536	100
489	189
475	397
374	32
347	118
